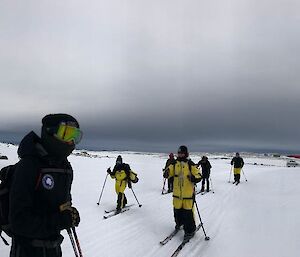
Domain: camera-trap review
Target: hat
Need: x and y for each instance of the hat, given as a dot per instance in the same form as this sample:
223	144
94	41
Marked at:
52	144
119	159
53	120
183	149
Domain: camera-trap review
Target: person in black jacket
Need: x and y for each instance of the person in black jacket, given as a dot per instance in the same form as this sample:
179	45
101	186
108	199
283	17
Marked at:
238	163
170	161
40	198
205	169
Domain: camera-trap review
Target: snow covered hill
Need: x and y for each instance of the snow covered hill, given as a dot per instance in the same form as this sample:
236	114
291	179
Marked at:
258	218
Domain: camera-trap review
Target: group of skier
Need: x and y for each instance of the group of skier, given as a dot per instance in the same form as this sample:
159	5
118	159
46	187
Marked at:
182	175
40	202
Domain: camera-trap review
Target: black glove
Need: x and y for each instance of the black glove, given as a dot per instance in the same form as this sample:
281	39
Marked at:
129	183
69	216
166	173
109	171
192	178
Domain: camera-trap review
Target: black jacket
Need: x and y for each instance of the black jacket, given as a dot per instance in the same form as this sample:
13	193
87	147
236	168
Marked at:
122	166
238	162
205	168
40	185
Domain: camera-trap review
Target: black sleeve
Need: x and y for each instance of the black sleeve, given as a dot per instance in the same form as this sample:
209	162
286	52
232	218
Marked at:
25	220
209	165
167	164
115	169
127	170
232	161
242	162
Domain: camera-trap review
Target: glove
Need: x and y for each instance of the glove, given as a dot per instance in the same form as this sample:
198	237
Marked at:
192	178
69	216
109	171
166	173
129	183
136	180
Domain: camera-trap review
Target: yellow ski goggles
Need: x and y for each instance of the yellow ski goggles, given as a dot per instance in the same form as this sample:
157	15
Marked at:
68	132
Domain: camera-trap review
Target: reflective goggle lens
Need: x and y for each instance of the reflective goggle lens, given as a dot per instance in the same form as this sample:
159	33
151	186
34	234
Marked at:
68	133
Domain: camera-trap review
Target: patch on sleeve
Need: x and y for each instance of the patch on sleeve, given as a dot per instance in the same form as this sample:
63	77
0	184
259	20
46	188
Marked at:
48	182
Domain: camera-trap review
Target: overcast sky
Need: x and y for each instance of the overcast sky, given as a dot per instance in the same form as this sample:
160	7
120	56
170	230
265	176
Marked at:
151	75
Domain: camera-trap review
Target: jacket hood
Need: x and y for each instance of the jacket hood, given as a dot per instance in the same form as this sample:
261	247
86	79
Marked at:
31	146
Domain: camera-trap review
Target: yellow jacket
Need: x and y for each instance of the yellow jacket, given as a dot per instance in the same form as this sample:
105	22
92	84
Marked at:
120	173
183	188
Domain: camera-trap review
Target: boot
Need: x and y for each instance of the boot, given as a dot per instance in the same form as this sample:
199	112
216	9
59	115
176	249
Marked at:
188	236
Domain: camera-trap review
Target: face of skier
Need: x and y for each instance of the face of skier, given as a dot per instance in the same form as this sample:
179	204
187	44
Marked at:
182	152
181	155
119	160
60	133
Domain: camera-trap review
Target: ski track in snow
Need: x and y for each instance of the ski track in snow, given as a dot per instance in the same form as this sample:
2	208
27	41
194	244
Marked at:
256	218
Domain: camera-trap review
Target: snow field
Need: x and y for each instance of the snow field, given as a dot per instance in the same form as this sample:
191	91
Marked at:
256	218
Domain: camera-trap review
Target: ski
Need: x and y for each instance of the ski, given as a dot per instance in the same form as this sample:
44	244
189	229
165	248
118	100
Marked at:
184	242
202	192
115	213
109	211
169	237
166	192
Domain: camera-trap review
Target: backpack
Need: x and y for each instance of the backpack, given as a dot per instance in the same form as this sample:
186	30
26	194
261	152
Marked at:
6	177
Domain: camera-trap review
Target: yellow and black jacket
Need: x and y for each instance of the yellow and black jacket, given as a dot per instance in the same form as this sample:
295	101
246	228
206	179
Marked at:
185	174
123	175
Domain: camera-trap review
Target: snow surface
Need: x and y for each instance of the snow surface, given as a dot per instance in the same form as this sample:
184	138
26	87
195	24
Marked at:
258	218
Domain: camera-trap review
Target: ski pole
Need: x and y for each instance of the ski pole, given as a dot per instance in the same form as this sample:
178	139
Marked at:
163	189
212	188
230	174
4	240
77	242
102	189
244	175
72	242
206	237
136	198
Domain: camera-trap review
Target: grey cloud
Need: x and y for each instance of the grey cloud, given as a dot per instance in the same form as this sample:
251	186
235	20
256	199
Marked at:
154	73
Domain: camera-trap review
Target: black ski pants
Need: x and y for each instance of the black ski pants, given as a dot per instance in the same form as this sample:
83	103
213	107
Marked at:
185	218
122	201
34	248
237	178
205	178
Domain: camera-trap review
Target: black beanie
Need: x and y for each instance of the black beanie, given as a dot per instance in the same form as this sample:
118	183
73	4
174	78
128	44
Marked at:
119	159
54	146
183	149
53	120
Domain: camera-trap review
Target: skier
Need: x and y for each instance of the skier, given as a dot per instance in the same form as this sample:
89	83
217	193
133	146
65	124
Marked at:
238	163
185	175
123	175
40	197
170	161
205	168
